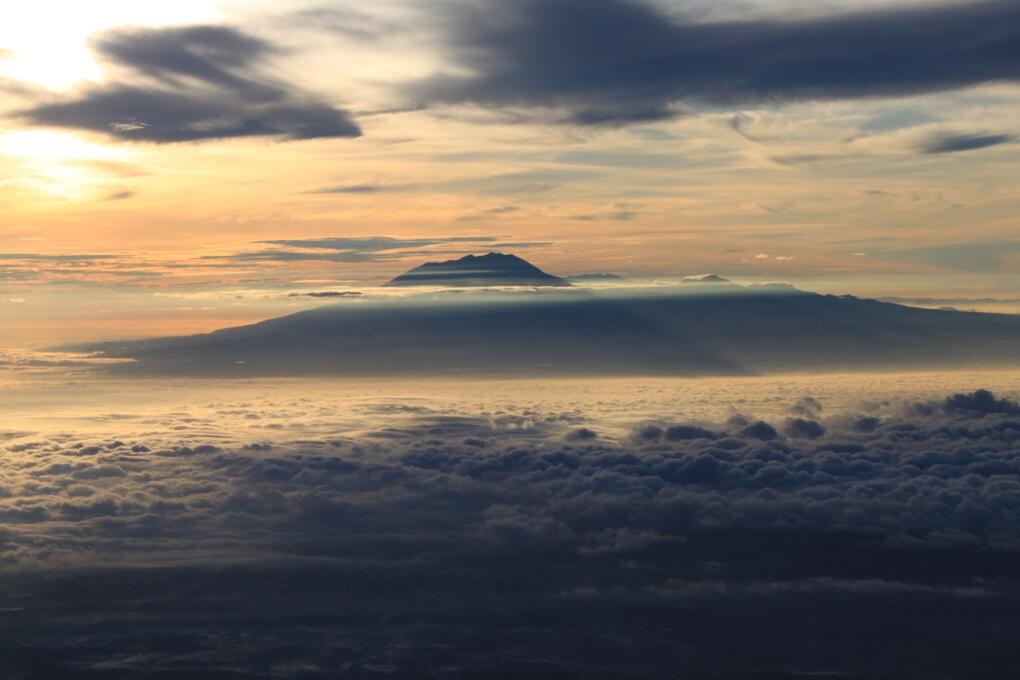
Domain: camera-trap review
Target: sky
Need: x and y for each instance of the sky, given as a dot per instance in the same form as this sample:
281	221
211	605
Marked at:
177	167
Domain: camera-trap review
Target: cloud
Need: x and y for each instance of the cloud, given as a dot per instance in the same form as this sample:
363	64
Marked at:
328	294
50	257
359	189
376	243
368	248
490	213
192	83
952	143
624	61
350	23
297	256
981	401
441	527
554	469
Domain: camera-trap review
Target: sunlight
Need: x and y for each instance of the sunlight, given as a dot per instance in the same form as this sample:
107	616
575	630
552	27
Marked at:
48	39
47	160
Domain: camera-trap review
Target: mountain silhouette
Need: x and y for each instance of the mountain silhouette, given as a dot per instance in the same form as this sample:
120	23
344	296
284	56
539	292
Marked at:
714	279
492	269
684	330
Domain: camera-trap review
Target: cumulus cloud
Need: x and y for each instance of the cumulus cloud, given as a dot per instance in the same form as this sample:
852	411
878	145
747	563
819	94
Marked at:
192	83
945	473
625	61
442	527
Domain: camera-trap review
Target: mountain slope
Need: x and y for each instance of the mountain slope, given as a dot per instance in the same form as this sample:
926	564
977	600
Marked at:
734	330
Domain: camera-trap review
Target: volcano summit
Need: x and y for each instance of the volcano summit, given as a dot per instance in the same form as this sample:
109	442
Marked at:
492	269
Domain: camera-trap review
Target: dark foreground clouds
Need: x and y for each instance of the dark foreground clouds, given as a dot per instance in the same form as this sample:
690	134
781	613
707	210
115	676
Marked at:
622	61
192	83
522	544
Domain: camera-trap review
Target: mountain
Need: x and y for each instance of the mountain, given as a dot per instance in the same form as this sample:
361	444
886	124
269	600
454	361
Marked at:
684	330
707	278
493	269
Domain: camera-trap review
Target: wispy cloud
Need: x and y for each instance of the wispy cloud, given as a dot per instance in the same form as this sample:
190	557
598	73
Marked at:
366	188
947	142
376	243
359	249
50	257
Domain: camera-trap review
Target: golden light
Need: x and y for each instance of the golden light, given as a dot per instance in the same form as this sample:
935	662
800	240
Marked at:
45	160
48	39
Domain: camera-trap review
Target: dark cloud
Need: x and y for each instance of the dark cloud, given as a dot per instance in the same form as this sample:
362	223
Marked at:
951	143
625	61
981	401
192	83
801	427
438	539
328	294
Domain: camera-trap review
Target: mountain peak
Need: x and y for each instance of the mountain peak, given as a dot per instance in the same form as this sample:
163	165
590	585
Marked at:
491	269
706	278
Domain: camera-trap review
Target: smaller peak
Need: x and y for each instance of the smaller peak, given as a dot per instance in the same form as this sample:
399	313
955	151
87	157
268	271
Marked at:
706	278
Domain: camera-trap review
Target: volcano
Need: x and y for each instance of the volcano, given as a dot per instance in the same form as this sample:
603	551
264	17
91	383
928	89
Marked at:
472	271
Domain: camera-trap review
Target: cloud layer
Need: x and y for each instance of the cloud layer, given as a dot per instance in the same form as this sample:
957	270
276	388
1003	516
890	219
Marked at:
288	530
428	518
369	248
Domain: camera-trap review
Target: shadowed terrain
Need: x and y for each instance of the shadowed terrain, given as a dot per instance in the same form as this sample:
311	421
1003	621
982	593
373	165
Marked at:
703	329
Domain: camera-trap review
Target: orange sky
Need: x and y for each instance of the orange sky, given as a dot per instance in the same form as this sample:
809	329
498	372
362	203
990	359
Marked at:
99	234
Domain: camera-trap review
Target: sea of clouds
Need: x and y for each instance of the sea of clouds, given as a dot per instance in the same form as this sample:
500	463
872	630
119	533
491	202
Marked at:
533	540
